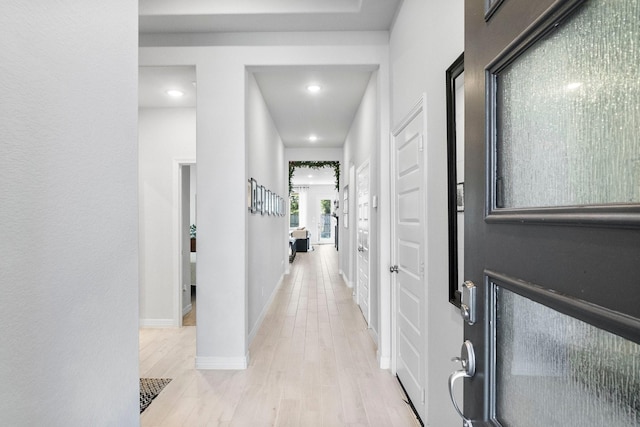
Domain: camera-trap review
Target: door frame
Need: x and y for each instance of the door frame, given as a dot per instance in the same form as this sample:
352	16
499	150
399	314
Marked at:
365	163
418	108
178	235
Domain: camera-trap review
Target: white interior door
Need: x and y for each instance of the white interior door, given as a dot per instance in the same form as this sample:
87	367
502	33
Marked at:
362	289
408	252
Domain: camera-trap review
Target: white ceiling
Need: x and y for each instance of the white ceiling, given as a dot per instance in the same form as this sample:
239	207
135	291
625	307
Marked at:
154	82
202	16
295	112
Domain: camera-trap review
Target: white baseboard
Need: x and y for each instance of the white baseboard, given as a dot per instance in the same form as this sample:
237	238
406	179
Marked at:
222	363
186	310
385	362
157	323
346	280
374	335
265	309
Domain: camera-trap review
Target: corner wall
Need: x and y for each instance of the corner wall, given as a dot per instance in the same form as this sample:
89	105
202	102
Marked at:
363	145
69	216
164	136
427	37
267	235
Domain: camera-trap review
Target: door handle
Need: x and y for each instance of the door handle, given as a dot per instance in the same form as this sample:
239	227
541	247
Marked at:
360	248
468	361
393	269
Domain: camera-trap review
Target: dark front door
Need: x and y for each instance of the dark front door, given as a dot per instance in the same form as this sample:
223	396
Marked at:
552	213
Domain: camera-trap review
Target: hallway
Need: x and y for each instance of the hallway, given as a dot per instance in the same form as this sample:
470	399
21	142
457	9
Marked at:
312	363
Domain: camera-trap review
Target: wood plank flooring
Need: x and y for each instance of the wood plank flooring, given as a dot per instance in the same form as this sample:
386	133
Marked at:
312	363
189	319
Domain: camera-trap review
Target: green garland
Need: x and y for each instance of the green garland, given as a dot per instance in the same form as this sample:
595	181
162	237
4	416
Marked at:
315	165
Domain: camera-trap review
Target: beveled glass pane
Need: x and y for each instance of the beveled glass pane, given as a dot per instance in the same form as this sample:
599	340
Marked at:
568	113
554	370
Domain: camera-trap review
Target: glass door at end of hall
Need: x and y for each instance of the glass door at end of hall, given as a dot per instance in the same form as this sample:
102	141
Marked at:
552	214
325	225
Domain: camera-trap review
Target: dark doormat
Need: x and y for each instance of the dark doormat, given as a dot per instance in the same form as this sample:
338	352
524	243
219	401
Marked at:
149	390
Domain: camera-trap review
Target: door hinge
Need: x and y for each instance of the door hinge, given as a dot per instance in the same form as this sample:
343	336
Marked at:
421	143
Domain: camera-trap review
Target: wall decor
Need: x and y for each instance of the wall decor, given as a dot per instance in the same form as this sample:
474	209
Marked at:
254	195
274	203
315	165
261	194
455	175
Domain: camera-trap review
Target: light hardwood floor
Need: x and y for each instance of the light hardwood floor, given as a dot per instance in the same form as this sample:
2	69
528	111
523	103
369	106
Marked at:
312	363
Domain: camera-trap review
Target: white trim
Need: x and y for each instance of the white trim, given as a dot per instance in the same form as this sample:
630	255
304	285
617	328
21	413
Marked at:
385	362
385	205
346	280
265	309
374	335
157	323
214	363
186	310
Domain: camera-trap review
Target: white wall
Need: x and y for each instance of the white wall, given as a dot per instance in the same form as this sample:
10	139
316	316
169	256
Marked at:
267	235
221	127
427	37
68	222
363	145
165	135
313	154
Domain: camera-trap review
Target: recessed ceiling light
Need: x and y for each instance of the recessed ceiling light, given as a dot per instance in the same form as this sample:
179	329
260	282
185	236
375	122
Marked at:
573	86
314	88
175	93
313	138
309	176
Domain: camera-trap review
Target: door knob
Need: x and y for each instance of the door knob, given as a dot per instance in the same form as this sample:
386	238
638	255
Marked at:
468	361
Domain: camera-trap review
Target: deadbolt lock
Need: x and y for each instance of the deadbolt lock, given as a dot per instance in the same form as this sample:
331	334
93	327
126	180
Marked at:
468	304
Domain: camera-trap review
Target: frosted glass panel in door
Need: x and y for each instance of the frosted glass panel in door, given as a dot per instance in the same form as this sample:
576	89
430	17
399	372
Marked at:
568	113
553	370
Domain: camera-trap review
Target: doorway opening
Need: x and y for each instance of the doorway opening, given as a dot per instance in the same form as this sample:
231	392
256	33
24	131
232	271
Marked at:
188	265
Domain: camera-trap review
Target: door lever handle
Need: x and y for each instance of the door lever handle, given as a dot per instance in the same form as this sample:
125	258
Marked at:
468	361
393	269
